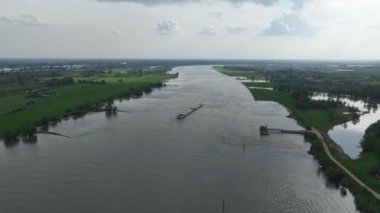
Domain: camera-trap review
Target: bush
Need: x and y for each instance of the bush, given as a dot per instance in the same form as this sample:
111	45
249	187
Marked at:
28	130
334	174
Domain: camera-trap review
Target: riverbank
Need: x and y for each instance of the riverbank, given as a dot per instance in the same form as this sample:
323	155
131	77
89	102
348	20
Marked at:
73	99
148	156
325	151
233	71
318	118
338	167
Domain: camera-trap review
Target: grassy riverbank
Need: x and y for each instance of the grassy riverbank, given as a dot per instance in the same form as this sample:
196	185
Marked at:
321	119
235	72
318	118
78	97
368	165
364	201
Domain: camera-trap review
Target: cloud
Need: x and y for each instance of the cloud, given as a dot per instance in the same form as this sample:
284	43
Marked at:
153	2
289	24
209	30
116	32
167	27
85	40
236	28
261	2
216	14
297	3
375	26
30	20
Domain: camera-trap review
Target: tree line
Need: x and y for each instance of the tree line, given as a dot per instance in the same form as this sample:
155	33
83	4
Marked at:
371	144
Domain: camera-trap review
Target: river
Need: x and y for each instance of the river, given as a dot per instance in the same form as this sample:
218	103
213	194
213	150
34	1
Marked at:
147	161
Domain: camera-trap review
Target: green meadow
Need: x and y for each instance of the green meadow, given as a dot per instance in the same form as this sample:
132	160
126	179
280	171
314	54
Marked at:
318	118
234	72
70	99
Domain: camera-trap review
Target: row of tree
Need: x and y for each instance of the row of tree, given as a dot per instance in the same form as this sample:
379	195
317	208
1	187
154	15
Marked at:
302	97
371	144
59	81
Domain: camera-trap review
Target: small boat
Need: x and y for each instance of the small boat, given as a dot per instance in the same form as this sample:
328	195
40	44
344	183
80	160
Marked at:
198	107
193	109
181	116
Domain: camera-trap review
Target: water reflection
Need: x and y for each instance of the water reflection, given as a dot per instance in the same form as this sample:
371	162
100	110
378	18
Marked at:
349	134
29	139
331	185
362	105
10	143
110	114
78	116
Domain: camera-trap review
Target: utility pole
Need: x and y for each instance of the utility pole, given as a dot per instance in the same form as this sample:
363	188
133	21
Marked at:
223	207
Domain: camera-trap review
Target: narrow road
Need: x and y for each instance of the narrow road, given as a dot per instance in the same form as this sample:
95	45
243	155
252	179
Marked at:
327	150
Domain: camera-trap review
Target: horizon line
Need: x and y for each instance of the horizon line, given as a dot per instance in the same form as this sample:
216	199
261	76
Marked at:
179	59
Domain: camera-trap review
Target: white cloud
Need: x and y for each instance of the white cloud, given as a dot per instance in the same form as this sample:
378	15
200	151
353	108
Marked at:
291	25
167	27
297	4
236	28
376	26
216	14
336	29
209	30
116	32
30	20
85	40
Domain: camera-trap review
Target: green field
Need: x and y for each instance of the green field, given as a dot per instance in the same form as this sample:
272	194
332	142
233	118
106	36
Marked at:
69	99
237	73
11	102
260	84
320	119
362	167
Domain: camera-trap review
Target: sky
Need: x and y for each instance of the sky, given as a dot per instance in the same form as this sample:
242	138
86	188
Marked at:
191	29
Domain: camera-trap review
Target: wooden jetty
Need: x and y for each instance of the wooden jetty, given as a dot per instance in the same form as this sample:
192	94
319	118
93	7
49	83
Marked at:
264	130
184	115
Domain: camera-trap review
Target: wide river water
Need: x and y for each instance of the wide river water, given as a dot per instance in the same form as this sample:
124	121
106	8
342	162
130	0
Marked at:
147	161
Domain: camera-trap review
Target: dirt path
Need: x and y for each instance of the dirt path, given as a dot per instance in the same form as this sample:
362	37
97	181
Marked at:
327	151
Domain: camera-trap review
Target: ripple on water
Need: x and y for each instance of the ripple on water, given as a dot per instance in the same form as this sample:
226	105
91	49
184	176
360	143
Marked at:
147	161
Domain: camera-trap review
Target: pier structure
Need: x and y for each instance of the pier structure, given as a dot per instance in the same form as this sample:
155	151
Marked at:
264	130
